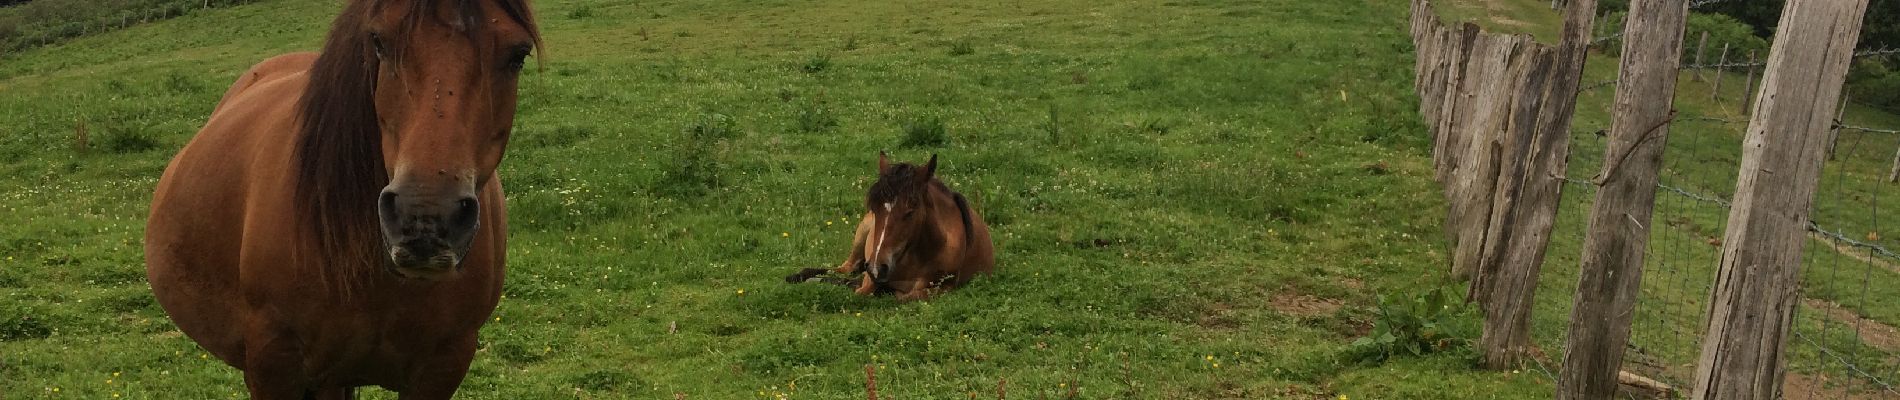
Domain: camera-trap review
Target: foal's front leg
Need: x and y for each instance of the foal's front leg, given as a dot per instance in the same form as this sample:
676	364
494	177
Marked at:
915	290
855	263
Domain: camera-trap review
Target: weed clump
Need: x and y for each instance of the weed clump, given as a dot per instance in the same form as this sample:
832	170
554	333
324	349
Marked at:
816	64
815	117
695	167
925	131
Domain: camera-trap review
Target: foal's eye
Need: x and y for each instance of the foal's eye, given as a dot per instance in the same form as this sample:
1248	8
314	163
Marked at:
908	213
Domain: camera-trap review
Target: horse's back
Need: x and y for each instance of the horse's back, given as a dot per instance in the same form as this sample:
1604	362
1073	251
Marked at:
195	230
980	252
269	69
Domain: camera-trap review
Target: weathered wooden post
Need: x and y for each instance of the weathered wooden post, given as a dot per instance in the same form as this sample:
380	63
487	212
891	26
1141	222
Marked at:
1699	46
1528	193
1752	307
1618	234
1893	176
1715	89
1748	89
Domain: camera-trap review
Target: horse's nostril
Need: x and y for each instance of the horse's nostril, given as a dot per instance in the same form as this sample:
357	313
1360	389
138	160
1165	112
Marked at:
467	210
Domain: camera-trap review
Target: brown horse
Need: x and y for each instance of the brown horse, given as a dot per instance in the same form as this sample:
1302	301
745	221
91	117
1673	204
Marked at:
917	238
338	222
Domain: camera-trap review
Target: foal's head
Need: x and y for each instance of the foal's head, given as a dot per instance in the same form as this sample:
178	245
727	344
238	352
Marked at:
900	205
422	92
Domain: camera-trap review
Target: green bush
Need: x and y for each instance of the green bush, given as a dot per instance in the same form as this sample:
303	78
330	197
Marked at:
1873	82
1721	28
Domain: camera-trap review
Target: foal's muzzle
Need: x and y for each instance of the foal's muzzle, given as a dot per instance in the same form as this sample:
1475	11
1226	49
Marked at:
880	272
427	235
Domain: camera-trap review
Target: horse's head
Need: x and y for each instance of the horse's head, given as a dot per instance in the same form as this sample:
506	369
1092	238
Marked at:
431	86
900	207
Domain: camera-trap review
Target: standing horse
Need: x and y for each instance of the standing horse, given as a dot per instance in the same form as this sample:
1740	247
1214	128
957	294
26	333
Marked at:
338	222
917	237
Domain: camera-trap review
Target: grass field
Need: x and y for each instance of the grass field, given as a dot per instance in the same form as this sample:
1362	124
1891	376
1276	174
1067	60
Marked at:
1192	199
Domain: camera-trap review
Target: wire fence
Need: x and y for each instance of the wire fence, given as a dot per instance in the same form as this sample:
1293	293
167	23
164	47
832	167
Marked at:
1845	344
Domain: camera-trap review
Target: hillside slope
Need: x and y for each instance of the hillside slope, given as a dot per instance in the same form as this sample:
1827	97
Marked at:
1192	199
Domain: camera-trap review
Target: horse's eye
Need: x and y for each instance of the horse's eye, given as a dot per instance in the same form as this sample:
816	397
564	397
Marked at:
517	59
376	41
909	213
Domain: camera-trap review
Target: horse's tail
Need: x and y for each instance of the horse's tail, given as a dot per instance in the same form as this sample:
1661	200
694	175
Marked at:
963	209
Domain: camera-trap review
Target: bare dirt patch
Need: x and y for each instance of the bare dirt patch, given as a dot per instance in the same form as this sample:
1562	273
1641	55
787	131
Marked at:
1799	386
1298	304
1871	332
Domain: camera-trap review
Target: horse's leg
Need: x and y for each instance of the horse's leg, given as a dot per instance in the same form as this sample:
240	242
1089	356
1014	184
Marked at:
805	275
855	263
436	378
336	393
914	290
866	286
273	366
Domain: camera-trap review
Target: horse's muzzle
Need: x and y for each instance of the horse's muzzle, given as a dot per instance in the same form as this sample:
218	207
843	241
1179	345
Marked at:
880	272
427	236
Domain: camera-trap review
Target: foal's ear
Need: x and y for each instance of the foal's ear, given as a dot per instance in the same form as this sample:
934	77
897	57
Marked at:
930	168
883	163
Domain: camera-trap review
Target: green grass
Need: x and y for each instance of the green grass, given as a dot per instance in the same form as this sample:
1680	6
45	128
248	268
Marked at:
1154	173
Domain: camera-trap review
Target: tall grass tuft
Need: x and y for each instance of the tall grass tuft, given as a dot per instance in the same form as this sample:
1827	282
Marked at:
925	131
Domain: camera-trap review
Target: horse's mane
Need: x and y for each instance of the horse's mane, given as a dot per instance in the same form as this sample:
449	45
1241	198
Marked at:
905	179
339	169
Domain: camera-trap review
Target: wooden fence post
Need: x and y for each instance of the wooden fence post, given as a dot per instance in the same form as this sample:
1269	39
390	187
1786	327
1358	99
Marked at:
1528	194
1893	176
1715	89
1748	89
1751	311
1612	270
1699	46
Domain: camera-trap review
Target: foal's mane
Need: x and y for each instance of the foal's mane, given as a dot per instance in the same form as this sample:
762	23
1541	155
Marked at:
338	170
905	180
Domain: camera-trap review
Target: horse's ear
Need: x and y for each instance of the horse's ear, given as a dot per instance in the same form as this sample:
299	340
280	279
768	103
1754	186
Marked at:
930	168
883	163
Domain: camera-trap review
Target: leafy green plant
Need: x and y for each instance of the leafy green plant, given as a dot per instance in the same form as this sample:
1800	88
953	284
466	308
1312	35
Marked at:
1415	325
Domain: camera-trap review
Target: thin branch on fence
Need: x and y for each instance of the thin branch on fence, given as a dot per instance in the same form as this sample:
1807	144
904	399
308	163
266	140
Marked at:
1616	162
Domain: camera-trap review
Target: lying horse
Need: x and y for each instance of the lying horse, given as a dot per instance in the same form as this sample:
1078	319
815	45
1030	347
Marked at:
917	238
338	221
